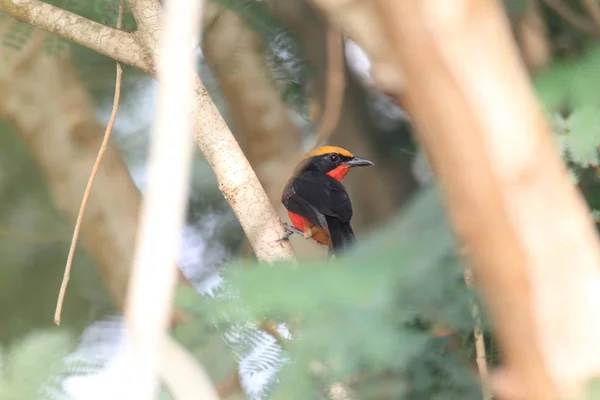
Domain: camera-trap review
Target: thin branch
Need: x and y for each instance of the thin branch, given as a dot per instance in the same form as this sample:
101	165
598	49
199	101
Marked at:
150	296
114	43
238	181
571	16
594	10
480	354
90	183
335	83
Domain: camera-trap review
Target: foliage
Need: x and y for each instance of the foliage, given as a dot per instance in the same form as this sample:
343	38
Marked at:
569	93
379	303
34	368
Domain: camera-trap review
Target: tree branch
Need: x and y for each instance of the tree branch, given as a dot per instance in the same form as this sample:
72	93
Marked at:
237	181
122	46
148	17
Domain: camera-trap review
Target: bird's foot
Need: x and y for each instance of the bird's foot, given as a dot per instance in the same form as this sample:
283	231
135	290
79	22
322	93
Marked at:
289	231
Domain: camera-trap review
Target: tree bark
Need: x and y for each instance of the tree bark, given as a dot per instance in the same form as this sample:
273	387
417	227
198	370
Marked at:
535	256
64	138
261	122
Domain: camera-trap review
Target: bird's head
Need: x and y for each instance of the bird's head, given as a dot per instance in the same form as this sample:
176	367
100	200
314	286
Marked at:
333	161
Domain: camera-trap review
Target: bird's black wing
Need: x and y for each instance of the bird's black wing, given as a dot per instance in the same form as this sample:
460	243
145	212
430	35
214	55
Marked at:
314	195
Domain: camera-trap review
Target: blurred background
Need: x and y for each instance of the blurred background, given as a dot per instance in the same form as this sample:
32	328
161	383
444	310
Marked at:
395	322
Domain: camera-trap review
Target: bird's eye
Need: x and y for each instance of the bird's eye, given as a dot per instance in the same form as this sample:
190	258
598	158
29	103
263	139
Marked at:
334	158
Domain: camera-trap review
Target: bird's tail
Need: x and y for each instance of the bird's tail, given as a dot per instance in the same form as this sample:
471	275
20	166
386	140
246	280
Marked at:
342	235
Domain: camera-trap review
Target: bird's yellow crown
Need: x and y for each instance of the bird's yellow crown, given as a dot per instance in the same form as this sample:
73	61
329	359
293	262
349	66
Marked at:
319	151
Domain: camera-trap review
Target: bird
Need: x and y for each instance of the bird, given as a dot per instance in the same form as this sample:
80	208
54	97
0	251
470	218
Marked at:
316	201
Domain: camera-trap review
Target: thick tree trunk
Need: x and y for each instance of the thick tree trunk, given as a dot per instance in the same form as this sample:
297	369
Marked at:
43	98
526	230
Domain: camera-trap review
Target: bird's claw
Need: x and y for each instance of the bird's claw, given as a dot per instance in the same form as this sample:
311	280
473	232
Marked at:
289	231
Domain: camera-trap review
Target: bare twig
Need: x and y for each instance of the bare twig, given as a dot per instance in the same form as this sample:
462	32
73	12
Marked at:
480	354
150	296
88	189
334	97
594	9
571	16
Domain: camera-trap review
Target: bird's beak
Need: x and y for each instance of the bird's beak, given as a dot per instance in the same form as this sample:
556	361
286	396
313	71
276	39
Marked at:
359	162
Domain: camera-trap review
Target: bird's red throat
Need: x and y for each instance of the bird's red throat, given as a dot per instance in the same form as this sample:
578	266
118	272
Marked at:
338	173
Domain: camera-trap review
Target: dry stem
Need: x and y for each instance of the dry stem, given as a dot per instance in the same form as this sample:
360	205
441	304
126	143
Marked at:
90	183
